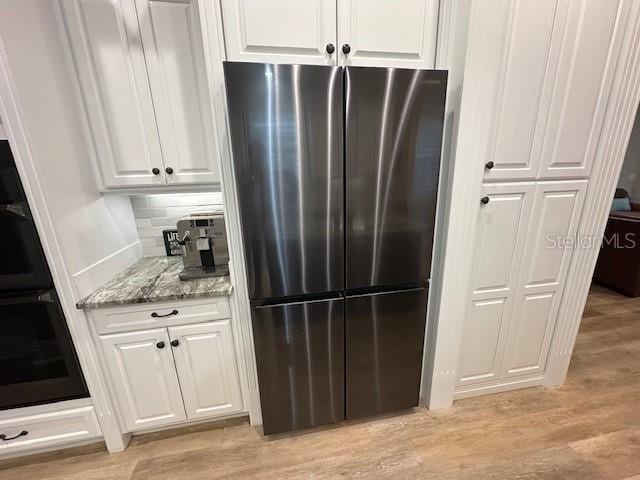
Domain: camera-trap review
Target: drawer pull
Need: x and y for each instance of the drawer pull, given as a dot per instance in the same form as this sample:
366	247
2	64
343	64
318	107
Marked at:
157	315
4	438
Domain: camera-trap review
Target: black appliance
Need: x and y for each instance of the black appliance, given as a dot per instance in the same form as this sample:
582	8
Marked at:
337	172
38	363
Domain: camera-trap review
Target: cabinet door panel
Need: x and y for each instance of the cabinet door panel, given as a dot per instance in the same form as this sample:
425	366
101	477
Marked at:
143	378
280	31
206	364
557	210
499	247
550	243
530	334
482	342
380	33
525	32
173	49
580	49
107	49
499	240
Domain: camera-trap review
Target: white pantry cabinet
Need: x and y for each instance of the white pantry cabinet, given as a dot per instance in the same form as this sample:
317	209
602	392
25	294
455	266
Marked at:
499	247
536	76
141	69
550	69
401	33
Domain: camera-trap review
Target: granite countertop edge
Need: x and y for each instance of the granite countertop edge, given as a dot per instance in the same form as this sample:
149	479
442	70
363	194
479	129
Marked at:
152	280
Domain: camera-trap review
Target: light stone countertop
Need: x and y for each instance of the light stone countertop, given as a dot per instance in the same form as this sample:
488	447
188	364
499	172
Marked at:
154	279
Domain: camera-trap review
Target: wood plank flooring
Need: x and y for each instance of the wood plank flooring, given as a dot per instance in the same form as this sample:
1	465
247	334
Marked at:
587	429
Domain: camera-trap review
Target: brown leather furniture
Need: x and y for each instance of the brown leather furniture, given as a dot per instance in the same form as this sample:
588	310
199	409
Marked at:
618	266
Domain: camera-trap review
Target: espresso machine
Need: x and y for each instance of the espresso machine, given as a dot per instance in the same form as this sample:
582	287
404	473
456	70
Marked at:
204	246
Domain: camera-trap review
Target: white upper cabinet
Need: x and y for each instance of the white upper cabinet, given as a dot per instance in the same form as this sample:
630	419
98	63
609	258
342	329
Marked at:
280	31
517	62
581	55
383	33
173	50
142	75
549	62
108	53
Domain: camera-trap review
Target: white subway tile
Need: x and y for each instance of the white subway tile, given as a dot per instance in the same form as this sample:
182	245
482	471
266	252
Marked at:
143	222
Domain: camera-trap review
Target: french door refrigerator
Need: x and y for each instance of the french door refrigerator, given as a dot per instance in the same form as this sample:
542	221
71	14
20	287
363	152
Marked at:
337	177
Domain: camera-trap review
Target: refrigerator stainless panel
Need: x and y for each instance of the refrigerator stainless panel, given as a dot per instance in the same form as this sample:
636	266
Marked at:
300	362
384	343
394	121
287	136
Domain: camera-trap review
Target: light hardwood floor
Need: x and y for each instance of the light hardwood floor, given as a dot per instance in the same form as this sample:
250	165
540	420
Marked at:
587	429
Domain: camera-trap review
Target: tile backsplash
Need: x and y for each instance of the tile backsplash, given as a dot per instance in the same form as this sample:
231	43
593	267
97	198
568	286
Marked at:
155	213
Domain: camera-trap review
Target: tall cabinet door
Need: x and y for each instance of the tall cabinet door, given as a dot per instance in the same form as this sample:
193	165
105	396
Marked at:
206	364
516	66
173	50
380	33
280	31
144	378
107	50
500	239
550	243
583	50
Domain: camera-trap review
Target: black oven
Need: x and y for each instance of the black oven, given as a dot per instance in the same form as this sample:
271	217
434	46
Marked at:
22	263
38	363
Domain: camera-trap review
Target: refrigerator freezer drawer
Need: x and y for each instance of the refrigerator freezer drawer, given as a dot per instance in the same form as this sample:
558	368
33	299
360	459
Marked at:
384	342
300	362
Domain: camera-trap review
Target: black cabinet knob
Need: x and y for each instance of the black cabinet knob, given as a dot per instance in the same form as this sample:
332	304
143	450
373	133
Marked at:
489	165
155	171
175	343
160	344
346	48
330	48
484	200
169	170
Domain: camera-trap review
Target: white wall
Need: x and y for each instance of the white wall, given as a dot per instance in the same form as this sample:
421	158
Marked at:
155	213
630	174
90	227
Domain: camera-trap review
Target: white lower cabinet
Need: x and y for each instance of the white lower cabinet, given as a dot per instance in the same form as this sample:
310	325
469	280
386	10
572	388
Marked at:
525	237
43	427
204	357
144	378
168	375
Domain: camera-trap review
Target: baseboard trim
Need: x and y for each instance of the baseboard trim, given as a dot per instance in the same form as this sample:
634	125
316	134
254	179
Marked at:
87	280
498	387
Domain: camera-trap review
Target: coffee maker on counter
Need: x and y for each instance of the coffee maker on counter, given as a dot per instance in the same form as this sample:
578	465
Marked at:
204	246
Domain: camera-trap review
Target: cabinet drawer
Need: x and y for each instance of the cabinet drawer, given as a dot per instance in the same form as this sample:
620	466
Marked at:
47	429
161	314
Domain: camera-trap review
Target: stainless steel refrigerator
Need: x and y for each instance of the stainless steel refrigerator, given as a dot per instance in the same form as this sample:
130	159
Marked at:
337	177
